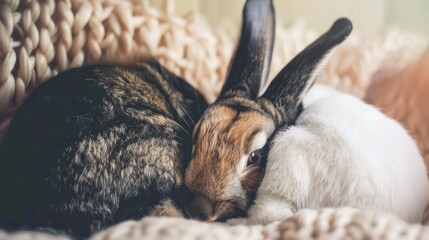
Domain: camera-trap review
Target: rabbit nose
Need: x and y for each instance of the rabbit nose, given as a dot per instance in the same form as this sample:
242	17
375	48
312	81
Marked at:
202	208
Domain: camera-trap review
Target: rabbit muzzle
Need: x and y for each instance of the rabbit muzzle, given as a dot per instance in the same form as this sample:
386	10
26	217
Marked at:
205	209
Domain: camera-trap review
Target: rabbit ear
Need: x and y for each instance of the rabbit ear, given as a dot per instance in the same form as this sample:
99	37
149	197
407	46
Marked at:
250	66
290	85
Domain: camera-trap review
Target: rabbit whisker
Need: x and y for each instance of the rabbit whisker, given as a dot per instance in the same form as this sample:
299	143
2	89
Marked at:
187	114
178	113
175	136
182	128
198	102
281	94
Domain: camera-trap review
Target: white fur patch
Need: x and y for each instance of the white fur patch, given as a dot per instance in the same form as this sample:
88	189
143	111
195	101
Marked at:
342	152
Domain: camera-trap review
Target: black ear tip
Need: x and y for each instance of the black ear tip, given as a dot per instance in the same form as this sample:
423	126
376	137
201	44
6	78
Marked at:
256	7
342	24
341	28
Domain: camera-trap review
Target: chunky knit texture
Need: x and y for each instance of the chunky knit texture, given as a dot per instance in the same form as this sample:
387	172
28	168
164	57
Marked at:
343	223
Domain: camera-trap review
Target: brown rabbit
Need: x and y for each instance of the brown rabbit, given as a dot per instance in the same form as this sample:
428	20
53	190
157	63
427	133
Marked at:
96	145
231	137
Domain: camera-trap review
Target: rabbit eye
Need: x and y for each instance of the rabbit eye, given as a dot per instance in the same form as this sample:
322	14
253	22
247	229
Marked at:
254	159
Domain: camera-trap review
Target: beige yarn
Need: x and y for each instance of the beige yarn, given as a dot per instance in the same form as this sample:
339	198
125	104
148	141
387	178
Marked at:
43	38
38	39
343	223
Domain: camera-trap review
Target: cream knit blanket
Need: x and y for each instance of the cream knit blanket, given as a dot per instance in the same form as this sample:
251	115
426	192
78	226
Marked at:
343	223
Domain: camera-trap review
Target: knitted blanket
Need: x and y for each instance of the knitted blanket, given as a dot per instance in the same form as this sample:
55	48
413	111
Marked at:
343	223
38	39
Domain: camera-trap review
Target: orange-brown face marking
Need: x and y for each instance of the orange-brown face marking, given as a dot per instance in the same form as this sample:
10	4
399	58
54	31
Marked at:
223	138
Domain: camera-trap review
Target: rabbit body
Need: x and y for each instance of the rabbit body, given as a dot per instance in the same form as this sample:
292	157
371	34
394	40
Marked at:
341	152
96	145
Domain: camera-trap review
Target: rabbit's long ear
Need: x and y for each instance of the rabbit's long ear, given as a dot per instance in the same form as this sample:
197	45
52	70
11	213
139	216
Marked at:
250	66
292	83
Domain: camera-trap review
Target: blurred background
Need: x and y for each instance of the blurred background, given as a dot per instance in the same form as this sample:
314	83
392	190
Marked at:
368	16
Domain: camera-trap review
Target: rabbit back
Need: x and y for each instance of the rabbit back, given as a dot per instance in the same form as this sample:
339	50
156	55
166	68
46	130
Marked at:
93	146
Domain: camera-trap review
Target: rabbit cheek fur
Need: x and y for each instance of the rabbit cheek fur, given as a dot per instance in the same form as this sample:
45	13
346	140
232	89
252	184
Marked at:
342	152
96	145
220	178
218	175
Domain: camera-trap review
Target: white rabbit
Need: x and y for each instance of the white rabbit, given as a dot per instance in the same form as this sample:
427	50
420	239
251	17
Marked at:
341	152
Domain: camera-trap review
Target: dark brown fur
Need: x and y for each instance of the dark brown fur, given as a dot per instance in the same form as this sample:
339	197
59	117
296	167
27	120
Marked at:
97	145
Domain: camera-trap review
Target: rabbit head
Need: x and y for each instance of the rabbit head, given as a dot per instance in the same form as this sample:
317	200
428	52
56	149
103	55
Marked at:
229	140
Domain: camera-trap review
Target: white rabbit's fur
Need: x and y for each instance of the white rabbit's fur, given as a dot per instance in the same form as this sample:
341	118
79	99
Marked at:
341	152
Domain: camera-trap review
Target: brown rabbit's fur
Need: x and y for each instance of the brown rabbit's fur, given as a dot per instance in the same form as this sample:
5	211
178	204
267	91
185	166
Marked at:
240	120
